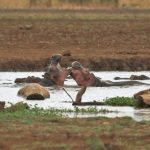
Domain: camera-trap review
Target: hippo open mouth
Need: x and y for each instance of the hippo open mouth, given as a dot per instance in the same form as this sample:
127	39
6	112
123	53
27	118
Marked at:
84	77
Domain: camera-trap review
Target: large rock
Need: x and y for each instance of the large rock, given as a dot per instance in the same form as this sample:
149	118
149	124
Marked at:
34	91
143	98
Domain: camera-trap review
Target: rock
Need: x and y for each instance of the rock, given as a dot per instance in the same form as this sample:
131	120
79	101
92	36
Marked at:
66	53
143	98
34	91
2	105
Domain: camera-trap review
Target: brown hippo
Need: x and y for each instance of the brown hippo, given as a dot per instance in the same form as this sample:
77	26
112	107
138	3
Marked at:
133	77
54	75
29	79
83	77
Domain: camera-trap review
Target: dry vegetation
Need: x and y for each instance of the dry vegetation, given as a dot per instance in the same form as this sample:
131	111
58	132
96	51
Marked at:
74	3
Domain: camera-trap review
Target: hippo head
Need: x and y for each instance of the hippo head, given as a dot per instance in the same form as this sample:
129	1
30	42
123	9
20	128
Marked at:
55	72
56	58
76	65
81	75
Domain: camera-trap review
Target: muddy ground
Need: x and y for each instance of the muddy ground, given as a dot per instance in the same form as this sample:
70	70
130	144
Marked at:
22	130
100	39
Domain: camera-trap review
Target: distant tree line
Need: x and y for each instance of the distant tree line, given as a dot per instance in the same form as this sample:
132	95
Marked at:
73	3
49	3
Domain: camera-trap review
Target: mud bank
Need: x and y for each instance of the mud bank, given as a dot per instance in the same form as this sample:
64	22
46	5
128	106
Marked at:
100	39
95	64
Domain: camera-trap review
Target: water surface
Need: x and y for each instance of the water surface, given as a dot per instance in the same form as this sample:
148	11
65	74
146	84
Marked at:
59	99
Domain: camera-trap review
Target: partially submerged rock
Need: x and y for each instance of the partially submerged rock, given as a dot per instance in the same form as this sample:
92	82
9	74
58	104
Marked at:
2	105
143	98
34	91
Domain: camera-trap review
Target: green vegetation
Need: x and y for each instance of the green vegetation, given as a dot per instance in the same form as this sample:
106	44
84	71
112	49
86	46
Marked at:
28	114
31	113
20	109
47	129
120	101
90	110
96	144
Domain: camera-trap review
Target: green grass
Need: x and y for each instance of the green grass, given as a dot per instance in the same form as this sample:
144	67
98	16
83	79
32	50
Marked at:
96	144
29	114
90	110
32	113
120	101
48	129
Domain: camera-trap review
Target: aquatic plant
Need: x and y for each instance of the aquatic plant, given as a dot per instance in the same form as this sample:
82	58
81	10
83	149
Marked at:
120	101
91	110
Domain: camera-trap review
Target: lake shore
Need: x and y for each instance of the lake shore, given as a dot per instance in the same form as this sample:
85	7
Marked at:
116	39
49	130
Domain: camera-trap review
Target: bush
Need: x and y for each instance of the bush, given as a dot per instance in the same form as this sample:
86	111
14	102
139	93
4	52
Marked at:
120	101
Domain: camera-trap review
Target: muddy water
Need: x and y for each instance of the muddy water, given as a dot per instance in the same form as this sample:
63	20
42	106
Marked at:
59	99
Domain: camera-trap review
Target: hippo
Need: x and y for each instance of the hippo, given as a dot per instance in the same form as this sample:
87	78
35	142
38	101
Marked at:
54	72
54	75
29	79
84	77
133	77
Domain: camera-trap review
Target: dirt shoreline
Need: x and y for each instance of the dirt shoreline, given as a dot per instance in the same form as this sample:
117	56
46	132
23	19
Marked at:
104	64
100	39
36	129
